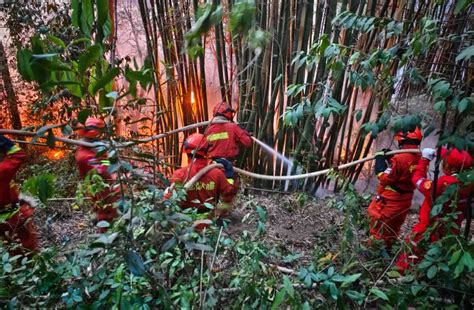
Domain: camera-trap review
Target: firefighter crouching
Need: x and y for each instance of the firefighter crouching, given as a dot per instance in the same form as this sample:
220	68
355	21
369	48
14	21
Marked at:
388	210
216	187
454	162
88	161
15	217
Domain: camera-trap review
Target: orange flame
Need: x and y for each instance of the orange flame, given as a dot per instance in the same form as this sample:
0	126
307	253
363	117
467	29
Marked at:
193	100
54	154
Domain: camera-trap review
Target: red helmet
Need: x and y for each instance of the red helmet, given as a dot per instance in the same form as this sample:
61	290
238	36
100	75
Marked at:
93	128
223	109
415	136
196	144
459	160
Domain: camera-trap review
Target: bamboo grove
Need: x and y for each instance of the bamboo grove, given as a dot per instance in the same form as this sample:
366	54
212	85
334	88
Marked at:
300	79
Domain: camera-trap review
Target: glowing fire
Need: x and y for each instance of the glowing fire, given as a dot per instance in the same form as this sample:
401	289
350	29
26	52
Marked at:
54	154
193	100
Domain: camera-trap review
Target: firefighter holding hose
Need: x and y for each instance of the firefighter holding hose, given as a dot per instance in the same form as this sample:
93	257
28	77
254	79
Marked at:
215	187
389	208
226	139
15	217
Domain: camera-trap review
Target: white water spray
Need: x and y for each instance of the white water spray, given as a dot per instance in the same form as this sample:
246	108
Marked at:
271	151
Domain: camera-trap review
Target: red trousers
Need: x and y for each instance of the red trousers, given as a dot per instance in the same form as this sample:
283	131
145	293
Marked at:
19	229
386	217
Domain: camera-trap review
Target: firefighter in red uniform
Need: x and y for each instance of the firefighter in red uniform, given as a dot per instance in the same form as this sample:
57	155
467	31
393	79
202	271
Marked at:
454	162
87	161
225	139
215	187
15	219
388	210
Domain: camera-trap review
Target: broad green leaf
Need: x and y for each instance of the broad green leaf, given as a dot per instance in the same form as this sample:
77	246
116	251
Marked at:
350	279
455	257
7	267
135	263
466	53
279	298
415	289
90	56
380	294
356	296
467	261
440	106
432	272
288	285
464	105
106	79
23	57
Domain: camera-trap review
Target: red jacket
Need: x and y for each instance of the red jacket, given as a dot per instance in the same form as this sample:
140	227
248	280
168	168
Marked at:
395	182
212	187
86	161
225	140
425	186
8	168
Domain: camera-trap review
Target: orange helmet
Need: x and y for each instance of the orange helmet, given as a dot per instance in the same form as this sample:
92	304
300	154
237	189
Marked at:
414	136
459	160
223	109
93	128
196	144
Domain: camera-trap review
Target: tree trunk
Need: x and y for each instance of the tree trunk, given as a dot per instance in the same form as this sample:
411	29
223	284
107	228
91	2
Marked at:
6	89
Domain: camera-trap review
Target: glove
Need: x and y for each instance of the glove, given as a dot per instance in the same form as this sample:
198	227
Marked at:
381	161
5	144
228	169
428	153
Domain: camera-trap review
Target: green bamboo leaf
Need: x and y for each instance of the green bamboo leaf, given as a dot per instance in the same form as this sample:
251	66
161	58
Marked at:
103	18
86	17
56	41
76	12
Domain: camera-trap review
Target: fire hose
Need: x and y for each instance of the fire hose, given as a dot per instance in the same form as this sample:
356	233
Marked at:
203	171
206	169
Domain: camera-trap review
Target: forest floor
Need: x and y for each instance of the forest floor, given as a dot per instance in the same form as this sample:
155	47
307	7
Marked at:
298	227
